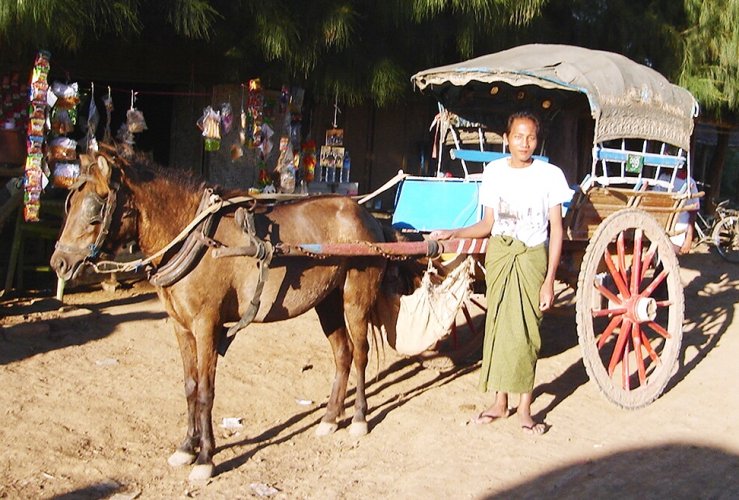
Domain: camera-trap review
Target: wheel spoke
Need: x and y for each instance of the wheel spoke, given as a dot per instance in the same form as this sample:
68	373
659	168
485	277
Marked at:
636	338
616	275
608	294
608	312
657	328
648	346
636	262
647	260
621	252
609	330
623	336
655	283
625	367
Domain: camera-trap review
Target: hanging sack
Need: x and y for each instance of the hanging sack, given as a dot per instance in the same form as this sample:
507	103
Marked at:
417	321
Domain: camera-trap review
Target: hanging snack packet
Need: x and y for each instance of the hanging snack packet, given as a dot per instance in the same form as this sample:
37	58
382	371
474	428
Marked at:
135	121
61	121
63	148
65	174
210	123
67	95
227	118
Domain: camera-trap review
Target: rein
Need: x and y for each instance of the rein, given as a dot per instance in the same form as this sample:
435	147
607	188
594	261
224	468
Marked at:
214	204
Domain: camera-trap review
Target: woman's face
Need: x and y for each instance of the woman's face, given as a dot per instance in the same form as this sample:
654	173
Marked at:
522	141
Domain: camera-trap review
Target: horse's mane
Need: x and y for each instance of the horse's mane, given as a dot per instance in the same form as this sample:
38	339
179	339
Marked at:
143	169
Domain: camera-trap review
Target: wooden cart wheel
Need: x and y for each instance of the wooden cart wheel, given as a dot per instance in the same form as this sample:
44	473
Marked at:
630	308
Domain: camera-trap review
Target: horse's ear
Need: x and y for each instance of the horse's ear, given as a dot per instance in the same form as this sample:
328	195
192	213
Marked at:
104	168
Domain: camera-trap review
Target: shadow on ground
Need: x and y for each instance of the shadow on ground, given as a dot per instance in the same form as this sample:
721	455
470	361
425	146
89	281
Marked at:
671	471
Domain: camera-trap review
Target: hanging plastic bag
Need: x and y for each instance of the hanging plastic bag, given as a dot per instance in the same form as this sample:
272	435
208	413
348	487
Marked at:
227	118
93	119
65	174
108	103
135	121
67	95
210	124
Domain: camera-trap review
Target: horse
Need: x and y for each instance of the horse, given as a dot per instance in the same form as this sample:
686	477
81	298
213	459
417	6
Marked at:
121	200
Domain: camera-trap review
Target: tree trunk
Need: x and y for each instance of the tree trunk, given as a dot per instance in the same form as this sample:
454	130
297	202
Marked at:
716	168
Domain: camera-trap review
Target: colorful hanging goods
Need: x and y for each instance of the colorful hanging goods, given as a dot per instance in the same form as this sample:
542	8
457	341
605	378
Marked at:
64	112
34	177
308	160
285	166
254	112
227	118
210	124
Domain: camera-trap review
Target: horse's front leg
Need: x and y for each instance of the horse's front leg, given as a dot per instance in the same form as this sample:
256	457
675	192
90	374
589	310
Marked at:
205	395
186	452
331	316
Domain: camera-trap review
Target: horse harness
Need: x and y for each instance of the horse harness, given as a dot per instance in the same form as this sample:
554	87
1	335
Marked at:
197	238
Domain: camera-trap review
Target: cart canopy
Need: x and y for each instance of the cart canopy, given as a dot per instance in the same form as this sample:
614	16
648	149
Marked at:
626	99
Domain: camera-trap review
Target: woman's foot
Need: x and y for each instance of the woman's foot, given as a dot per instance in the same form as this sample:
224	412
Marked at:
534	429
528	426
524	416
490	415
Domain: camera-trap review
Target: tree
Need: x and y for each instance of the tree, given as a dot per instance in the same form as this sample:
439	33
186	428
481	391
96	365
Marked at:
710	70
354	49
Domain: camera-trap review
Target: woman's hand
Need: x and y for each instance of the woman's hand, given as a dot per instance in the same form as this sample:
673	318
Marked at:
441	234
546	296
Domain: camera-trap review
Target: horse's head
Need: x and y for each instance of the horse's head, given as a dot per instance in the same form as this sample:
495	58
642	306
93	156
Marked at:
97	219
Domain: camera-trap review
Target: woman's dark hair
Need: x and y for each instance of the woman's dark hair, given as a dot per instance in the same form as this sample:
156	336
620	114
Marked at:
526	115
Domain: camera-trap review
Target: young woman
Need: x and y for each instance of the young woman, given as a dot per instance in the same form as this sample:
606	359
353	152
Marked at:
522	200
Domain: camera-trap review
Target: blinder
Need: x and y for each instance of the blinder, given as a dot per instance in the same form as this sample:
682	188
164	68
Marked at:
96	210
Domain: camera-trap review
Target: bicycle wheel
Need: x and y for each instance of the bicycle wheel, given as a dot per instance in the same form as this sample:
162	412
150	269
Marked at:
725	237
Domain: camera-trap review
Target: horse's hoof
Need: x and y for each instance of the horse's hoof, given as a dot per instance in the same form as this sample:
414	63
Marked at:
201	472
180	458
326	428
358	429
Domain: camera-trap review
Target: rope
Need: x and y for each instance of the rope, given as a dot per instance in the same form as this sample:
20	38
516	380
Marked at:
217	203
392	182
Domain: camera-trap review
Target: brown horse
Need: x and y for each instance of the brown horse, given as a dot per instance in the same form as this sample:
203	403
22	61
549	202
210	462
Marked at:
121	201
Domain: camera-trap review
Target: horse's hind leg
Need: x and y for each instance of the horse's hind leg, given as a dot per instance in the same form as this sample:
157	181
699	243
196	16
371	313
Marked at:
186	452
360	293
331	315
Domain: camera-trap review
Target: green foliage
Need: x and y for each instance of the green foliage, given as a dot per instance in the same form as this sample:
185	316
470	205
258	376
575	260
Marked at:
710	65
360	50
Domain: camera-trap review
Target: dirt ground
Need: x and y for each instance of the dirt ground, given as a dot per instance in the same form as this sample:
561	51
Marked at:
92	404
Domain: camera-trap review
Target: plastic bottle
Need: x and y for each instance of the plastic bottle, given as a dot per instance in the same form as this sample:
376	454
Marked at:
346	167
330	168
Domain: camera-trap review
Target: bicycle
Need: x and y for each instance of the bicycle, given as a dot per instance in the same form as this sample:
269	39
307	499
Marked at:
720	230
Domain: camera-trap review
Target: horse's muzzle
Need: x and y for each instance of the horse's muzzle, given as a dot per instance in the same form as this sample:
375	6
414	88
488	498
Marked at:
66	266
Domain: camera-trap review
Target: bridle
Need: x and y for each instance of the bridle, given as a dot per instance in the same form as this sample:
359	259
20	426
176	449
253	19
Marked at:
100	210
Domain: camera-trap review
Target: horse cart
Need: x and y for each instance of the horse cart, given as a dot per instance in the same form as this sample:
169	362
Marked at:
621	132
226	259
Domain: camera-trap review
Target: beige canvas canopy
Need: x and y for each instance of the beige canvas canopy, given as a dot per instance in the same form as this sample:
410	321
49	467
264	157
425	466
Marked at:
627	99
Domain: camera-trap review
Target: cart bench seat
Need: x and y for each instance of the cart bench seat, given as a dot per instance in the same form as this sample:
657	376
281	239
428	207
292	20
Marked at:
589	209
